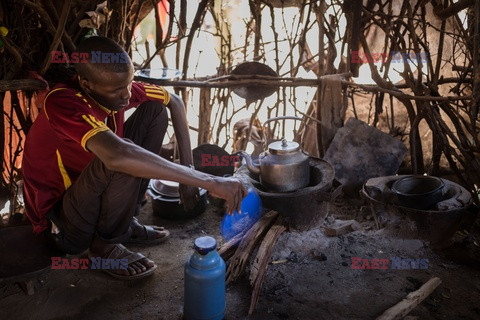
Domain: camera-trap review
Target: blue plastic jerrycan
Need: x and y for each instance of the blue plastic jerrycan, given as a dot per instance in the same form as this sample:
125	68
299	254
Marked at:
204	286
251	211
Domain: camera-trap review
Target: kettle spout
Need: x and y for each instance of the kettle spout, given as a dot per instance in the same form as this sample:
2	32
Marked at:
248	159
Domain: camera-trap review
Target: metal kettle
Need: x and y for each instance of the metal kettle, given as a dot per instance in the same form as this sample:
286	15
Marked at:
283	167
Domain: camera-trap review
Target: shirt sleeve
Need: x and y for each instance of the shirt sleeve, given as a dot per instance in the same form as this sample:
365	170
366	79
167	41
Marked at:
142	92
71	117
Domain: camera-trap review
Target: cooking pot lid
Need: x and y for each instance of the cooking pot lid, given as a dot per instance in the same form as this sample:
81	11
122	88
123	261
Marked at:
283	147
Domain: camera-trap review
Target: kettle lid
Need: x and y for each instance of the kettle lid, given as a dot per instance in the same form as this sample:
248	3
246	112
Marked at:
283	147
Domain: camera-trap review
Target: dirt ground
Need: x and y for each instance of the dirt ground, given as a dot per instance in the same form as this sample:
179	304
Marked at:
310	277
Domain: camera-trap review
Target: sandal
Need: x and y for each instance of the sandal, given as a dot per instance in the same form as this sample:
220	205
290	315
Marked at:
119	254
148	236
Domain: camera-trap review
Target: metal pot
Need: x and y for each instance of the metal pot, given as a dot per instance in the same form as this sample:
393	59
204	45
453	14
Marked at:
166	201
418	192
284	167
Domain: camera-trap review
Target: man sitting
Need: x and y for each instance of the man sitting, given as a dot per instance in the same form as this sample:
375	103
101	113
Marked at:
86	169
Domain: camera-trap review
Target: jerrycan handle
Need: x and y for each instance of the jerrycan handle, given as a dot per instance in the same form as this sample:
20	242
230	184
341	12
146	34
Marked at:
277	119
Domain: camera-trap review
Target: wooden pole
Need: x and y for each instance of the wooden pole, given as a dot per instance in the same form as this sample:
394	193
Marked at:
57	37
22	84
292	82
321	71
33	84
476	64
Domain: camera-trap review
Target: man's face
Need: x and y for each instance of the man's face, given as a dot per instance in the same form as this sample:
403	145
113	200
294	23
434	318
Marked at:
110	89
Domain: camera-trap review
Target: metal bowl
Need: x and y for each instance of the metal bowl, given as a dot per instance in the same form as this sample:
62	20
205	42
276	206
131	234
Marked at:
418	192
165	188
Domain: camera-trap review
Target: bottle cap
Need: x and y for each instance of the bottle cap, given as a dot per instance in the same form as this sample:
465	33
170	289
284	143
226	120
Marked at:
204	245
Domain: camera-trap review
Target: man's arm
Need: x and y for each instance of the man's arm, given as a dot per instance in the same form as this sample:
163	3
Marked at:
120	155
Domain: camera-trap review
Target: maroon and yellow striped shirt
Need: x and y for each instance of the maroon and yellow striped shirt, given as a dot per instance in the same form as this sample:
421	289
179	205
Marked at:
55	154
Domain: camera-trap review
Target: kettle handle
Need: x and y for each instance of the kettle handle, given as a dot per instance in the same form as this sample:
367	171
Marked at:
276	119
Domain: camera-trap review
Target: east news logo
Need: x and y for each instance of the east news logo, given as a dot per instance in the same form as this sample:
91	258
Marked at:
392	263
94	263
83	57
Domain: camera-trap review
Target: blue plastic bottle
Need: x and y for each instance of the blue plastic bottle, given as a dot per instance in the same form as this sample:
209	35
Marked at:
204	290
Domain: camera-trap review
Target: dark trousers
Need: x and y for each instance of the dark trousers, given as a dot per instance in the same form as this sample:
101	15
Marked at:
101	203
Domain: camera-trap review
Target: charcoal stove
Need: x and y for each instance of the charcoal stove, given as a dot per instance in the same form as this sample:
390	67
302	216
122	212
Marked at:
436	225
304	208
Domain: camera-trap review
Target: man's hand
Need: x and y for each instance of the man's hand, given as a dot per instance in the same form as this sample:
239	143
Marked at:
230	189
189	196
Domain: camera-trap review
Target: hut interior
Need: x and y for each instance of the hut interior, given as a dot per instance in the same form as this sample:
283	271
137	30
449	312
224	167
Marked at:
378	94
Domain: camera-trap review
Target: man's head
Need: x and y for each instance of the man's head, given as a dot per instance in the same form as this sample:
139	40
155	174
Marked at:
107	76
